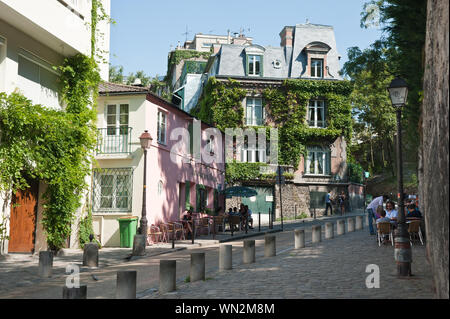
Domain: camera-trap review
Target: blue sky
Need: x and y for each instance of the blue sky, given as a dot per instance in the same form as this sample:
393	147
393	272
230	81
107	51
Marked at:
145	30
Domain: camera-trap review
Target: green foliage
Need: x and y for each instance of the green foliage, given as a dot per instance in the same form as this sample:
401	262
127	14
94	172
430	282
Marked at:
288	175
221	104
238	171
50	145
86	229
404	26
116	74
355	173
178	55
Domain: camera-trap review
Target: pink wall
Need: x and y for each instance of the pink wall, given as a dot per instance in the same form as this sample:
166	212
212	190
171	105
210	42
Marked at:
160	166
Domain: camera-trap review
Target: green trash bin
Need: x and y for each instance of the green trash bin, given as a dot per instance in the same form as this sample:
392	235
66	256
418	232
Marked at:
127	229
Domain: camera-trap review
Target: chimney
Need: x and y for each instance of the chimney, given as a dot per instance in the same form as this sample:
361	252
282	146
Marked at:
287	36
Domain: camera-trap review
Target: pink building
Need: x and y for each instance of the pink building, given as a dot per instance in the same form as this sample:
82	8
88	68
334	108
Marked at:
181	172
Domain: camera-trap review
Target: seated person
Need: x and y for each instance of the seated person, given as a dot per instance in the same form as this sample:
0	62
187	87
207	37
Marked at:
383	217
235	212
187	218
391	213
230	212
413	211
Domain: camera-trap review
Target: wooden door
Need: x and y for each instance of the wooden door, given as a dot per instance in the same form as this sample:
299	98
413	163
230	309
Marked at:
23	220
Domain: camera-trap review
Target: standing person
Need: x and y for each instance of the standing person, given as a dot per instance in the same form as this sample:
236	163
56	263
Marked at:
328	204
342	202
371	209
249	216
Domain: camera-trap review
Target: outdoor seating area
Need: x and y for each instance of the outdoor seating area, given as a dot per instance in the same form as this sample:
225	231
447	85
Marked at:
387	222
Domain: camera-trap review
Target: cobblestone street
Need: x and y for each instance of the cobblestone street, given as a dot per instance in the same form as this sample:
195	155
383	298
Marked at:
334	268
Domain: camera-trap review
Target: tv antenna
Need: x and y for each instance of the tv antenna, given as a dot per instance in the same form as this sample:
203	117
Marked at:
186	33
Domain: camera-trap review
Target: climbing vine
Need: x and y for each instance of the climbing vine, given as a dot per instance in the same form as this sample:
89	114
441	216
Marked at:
286	106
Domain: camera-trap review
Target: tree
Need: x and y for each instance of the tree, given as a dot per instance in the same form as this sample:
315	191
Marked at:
374	117
404	29
434	151
116	74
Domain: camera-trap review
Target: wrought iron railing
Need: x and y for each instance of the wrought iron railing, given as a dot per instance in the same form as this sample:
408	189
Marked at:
114	140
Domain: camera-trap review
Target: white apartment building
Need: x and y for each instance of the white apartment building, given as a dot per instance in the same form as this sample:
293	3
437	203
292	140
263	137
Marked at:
35	36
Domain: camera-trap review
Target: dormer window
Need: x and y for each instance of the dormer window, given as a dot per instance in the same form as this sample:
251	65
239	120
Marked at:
316	68
254	65
316	53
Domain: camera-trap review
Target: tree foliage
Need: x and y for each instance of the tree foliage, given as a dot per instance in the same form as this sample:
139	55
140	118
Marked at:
398	53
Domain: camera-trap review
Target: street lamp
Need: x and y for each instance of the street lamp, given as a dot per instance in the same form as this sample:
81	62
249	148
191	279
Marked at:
398	92
146	141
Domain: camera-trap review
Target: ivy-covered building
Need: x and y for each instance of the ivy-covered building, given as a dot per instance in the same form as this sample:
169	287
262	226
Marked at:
296	88
186	65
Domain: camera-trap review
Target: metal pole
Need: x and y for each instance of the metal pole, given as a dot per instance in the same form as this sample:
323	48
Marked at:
173	236
143	223
281	202
270	219
193	229
259	221
295	212
214	228
402	251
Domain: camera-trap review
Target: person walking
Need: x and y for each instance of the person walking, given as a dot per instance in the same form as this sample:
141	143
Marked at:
342	202
328	204
372	208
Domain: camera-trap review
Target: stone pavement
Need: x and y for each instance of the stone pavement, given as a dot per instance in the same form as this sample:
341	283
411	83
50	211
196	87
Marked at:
18	273
334	268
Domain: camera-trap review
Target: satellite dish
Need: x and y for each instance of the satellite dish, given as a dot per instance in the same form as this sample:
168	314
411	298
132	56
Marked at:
137	81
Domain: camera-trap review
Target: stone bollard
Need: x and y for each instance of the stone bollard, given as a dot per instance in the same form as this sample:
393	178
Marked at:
329	230
126	284
90	255
197	267
167	276
139	242
45	264
341	227
270	249
299	235
75	292
359	223
225	257
350	225
249	251
316	233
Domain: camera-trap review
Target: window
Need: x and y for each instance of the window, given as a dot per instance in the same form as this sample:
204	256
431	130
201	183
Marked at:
254	65
202	197
161	127
37	80
316	68
112	189
316	113
210	145
254	113
253	153
317	161
117	117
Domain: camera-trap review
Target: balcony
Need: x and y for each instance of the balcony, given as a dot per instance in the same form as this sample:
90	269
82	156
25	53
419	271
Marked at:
60	25
114	140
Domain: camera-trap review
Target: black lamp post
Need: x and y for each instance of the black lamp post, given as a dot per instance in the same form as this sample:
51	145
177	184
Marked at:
146	141
398	92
